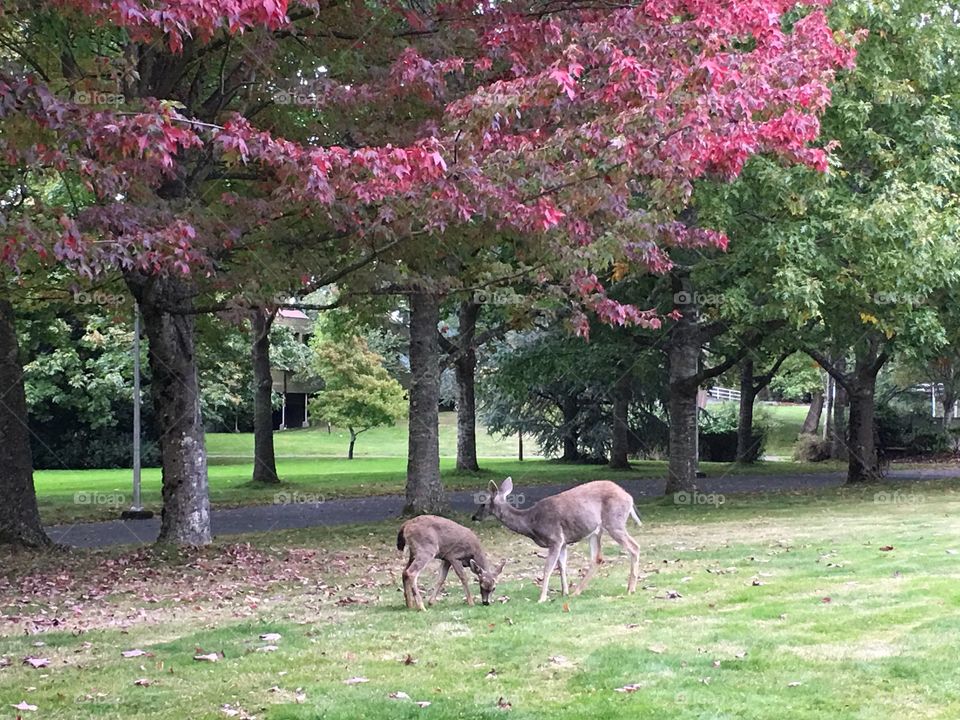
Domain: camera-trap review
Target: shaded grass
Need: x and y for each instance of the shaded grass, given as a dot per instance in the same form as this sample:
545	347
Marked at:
751	635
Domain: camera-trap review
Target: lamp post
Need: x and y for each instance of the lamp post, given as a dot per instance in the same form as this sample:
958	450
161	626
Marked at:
136	511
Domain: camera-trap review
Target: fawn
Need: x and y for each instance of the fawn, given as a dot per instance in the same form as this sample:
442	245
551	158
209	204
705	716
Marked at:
429	537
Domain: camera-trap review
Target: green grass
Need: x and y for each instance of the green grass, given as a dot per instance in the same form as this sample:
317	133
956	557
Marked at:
752	635
310	462
379	442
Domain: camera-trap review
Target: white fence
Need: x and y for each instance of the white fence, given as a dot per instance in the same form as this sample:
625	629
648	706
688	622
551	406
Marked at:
723	394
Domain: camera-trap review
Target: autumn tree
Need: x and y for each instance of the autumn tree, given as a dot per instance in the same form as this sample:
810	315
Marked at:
188	151
358	393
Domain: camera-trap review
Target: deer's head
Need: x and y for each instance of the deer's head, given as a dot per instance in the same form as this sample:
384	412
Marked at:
496	497
487	578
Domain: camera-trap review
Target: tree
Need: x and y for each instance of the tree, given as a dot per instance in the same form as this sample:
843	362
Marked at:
358	393
591	141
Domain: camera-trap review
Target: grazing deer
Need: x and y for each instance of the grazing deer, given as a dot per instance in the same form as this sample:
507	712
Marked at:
568	517
429	537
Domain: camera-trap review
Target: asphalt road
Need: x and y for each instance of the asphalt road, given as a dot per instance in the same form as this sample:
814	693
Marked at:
348	511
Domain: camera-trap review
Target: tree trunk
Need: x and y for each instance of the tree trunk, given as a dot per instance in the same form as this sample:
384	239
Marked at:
862	465
812	421
571	450
176	400
745	423
264	456
19	517
353	441
949	400
838	439
621	428
684	366
465	369
424	487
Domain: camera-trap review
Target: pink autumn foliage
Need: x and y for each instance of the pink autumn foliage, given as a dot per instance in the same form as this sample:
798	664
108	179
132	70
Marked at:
546	125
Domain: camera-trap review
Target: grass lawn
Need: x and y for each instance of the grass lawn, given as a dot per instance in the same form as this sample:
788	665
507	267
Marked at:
379	442
804	606
312	462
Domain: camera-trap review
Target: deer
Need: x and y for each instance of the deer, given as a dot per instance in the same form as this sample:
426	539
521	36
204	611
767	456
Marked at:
583	512
457	547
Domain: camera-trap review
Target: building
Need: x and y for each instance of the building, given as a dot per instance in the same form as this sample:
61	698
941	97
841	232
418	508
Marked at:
293	389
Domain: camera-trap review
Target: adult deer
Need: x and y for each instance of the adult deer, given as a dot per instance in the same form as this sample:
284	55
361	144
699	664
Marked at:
457	547
568	517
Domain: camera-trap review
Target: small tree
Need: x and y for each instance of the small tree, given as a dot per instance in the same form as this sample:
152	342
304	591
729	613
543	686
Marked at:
358	392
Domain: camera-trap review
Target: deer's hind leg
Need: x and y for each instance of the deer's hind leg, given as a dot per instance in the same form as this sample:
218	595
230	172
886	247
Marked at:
441	579
410	575
596	560
632	547
562	564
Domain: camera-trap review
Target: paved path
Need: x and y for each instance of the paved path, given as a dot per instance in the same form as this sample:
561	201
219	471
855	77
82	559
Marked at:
264	518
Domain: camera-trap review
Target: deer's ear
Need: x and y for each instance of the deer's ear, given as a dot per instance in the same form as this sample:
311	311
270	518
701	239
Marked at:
493	487
500	566
507	487
475	567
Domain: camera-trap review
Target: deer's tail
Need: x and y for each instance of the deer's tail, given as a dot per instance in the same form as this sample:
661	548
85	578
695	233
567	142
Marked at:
633	514
401	540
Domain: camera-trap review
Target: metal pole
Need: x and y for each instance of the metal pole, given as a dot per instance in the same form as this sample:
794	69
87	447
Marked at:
137	505
136	511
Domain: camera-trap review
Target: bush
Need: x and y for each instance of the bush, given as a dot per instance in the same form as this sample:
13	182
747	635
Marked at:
811	448
918	434
718	436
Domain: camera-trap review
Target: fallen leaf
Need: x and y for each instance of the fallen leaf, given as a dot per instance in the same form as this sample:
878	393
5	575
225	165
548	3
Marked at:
886	548
209	657
24	705
632	687
566	607
492	673
658	649
409	660
503	704
270	637
951	552
133	653
423	703
825	600
399	695
36	662
268	648
142	682
4	662
795	683
355	680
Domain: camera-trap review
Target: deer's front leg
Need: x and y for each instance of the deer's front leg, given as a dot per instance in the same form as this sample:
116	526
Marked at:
553	554
464	580
441	579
